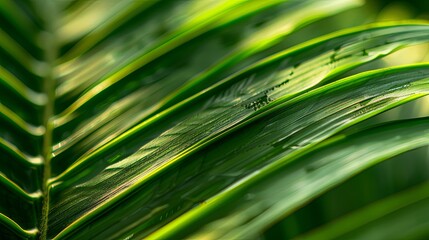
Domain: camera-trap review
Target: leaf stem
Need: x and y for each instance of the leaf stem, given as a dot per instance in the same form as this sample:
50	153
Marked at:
48	41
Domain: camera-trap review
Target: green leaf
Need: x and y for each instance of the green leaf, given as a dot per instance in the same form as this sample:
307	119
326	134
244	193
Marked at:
332	108
244	209
132	119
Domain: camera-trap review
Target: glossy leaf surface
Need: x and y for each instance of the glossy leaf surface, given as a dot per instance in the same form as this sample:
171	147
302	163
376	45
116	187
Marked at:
165	119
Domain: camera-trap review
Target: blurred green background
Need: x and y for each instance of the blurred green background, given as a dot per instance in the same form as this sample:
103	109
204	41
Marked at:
385	179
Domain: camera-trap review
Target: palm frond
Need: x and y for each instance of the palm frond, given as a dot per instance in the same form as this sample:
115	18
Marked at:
176	119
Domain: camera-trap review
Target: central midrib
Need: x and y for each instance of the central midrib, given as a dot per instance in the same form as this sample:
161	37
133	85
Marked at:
48	12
